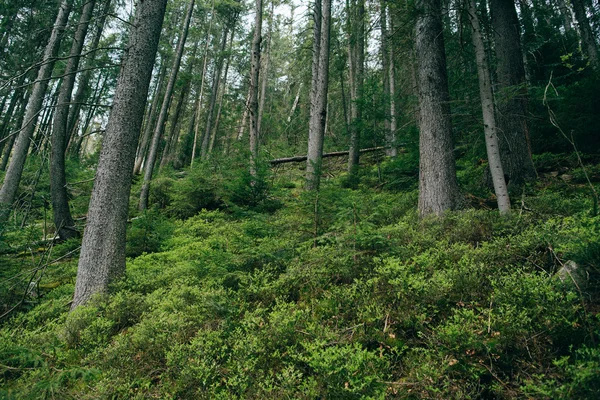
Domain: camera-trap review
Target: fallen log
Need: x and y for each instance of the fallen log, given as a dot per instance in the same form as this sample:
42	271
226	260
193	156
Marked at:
278	161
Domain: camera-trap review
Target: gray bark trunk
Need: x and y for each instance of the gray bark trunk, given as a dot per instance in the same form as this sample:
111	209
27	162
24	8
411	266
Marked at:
63	221
162	117
222	95
512	132
102	256
150	120
487	107
244	119
5	129
438	189
265	72
587	36
199	102
34	107
254	77
357	67
318	106
387	60
84	80
218	70
10	140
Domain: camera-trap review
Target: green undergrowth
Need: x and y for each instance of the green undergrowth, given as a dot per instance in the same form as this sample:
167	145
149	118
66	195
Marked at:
342	295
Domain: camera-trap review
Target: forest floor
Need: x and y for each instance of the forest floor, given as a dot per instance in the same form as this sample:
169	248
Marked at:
238	291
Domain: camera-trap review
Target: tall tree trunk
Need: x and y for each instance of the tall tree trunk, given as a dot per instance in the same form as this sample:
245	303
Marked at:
171	146
150	119
392	82
221	97
254	77
197	118
487	107
587	36
10	141
387	61
63	221
513	133
102	256
8	115
357	67
265	71
244	118
438	189
162	117
218	70
86	75
566	14
100	87
34	107
318	103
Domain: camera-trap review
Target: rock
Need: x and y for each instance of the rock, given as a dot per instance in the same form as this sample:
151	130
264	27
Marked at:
572	274
566	178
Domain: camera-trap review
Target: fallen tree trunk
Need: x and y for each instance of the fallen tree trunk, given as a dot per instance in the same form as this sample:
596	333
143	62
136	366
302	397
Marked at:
278	161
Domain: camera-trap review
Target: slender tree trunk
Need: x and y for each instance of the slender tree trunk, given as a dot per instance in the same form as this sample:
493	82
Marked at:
254	77
392	82
244	118
487	106
150	119
318	106
102	256
170	140
84	80
34	107
101	87
566	14
218	70
162	117
387	59
587	35
265	72
171	146
438	189
512	132
221	97
13	135
8	115
63	221
357	67
199	102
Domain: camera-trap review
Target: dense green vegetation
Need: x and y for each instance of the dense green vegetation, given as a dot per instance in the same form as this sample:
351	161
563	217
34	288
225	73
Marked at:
240	290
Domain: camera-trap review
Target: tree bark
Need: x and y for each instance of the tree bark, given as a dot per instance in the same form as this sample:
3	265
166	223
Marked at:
102	256
13	135
438	189
222	95
8	115
587	36
357	67
34	107
63	221
318	103
265	71
199	102
162	117
150	120
84	80
218	70
487	107
512	132
387	61
254	77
